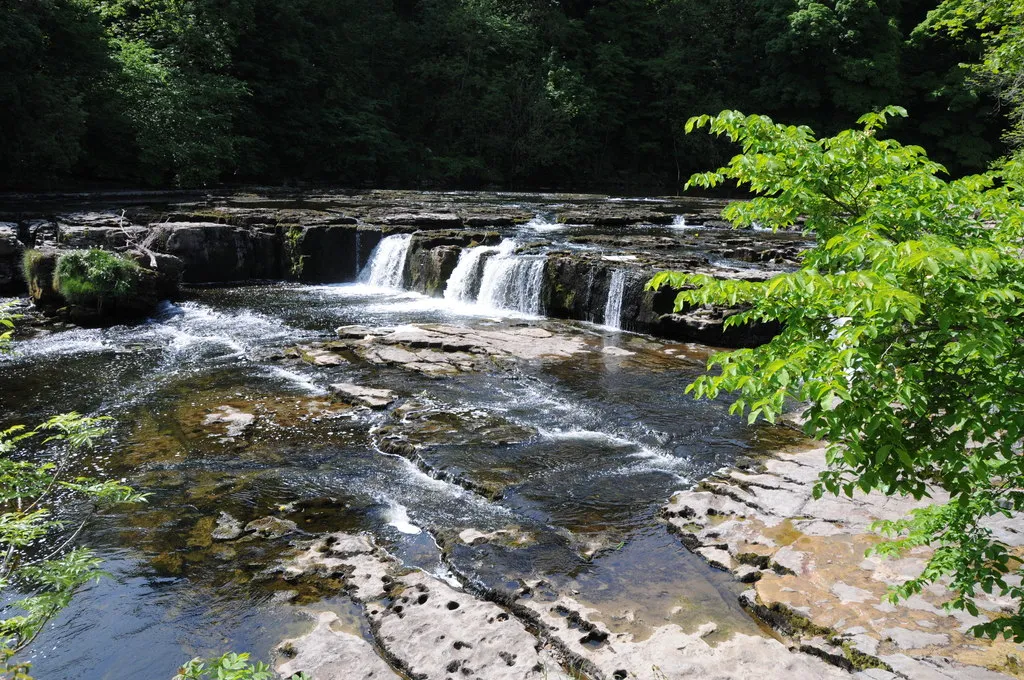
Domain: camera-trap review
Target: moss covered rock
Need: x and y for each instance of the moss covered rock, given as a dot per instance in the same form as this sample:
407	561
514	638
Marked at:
94	287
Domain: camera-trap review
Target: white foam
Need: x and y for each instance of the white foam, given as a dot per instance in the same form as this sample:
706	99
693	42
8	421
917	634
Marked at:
679	222
543	224
298	380
398	517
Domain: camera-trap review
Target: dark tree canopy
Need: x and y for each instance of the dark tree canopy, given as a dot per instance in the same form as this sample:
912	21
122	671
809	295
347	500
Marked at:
464	93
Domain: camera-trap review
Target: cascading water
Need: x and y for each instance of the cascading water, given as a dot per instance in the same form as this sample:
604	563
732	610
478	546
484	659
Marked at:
613	306
386	268
512	281
465	279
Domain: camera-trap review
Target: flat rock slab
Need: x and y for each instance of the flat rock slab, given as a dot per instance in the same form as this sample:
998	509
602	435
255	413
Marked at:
326	653
668	652
441	349
373	397
425	627
428	629
806	559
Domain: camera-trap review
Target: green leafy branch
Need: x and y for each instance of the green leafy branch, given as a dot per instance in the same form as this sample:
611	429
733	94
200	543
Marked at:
900	334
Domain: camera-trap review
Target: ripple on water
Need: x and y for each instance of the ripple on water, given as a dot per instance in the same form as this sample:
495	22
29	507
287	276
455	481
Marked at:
611	445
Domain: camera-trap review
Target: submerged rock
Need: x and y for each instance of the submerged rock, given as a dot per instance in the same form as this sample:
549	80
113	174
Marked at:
421	429
236	421
374	397
271	527
228	528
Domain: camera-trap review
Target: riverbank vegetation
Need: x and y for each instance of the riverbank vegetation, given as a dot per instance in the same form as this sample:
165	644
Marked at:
900	335
463	93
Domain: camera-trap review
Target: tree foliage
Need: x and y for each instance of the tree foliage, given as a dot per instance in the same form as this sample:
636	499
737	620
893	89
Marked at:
37	560
901	334
1001	67
455	92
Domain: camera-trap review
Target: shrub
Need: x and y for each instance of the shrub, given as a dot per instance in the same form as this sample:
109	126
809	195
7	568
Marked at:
96	277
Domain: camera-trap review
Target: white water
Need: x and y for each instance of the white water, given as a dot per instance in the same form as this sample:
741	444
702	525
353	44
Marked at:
543	224
386	268
466	277
679	222
512	281
398	517
613	306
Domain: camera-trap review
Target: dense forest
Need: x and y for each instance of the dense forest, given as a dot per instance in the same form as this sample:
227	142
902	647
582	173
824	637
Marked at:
457	93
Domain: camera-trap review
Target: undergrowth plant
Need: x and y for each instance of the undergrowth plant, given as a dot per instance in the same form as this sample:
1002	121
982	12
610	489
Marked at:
96	277
229	667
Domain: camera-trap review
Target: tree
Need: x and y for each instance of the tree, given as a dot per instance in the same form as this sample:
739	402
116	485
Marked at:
901	334
52	60
1001	23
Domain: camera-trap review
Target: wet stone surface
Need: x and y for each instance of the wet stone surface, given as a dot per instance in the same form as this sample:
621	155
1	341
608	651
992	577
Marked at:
450	440
811	580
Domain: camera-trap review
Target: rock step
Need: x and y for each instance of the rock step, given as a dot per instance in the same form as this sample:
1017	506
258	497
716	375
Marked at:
425	628
811	581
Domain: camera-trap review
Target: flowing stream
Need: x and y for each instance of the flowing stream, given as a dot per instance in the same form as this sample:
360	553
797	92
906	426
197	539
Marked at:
591	447
464	283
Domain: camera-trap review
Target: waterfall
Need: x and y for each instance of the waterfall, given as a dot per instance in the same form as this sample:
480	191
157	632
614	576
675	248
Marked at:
386	268
613	306
464	281
512	281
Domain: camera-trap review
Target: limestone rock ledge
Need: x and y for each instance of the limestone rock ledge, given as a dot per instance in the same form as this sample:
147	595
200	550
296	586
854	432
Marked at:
812	581
426	628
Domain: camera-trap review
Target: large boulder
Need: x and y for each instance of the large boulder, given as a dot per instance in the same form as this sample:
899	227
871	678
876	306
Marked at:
65	283
323	253
220	253
39	265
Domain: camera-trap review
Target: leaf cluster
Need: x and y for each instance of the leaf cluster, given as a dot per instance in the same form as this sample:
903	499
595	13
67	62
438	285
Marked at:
96	277
229	666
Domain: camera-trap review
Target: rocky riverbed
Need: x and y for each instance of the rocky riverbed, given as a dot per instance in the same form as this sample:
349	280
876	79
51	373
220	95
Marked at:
428	442
565	256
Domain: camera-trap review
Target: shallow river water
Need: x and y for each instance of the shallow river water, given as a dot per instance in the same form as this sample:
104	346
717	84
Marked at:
612	437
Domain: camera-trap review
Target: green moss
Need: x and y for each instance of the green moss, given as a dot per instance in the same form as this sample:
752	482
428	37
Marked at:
29	262
95	277
858	659
214	215
294	238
